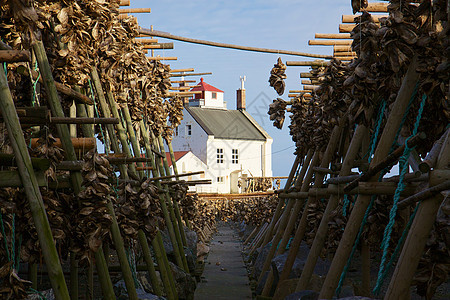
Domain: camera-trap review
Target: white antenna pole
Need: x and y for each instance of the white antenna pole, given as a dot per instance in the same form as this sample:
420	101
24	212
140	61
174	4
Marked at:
242	78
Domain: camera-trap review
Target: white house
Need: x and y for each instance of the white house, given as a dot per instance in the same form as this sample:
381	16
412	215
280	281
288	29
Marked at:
229	143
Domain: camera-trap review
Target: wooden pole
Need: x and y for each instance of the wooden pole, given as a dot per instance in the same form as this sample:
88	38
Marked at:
223	45
332	36
134	10
321	234
166	273
149	263
285	217
318	182
175	170
57	111
32	191
116	235
165	262
419	232
329	42
72	93
106	113
175	203
164	200
10	56
363	201
171	204
131	136
277	213
253	233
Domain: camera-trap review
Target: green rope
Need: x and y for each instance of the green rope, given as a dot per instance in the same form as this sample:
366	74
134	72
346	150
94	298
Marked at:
13	239
403	162
34	83
358	237
133	268
98	116
33	291
396	252
4	237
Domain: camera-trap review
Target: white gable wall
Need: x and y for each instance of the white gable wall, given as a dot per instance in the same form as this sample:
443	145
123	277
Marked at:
216	103
196	142
249	161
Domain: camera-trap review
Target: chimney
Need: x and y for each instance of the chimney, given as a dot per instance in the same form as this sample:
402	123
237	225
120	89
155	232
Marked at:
240	96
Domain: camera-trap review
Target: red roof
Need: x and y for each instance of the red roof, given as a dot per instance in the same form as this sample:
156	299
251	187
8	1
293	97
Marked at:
177	154
203	86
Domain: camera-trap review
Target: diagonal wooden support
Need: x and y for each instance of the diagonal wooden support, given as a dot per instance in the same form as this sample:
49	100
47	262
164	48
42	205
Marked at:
417	236
32	191
318	182
287	212
363	201
321	234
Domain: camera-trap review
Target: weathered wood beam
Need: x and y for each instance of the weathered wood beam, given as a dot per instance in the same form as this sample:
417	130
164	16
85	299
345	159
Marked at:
159	46
10	56
63	89
320	63
332	36
223	45
147	41
181	70
162	58
346	27
190	74
31	187
329	42
134	10
351	18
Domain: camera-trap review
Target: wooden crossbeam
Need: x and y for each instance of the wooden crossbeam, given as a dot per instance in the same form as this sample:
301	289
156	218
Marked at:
124	2
329	42
344	58
340	48
332	35
182	70
346	27
377	7
134	10
190	74
308	63
351	18
349	53
10	56
159	46
162	58
183	81
184	93
147	41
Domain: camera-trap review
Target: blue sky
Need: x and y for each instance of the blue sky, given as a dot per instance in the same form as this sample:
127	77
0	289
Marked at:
282	24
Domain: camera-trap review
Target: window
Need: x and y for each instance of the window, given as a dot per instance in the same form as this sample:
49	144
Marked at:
234	156
220	156
176	131
188	129
214	95
220	179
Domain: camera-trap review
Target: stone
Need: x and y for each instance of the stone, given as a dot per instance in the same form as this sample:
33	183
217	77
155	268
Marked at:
260	259
191	250
303	295
121	293
145	282
184	282
202	250
48	294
